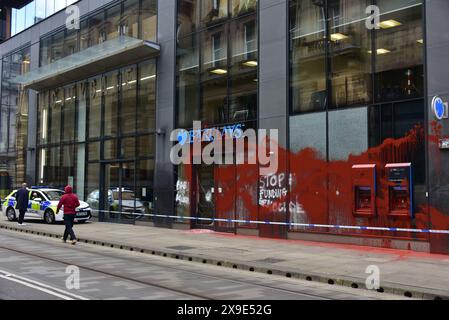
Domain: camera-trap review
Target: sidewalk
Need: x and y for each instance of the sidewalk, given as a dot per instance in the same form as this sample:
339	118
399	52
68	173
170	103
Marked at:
421	275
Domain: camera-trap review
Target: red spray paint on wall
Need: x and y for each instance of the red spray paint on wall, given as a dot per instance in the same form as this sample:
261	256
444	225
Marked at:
309	189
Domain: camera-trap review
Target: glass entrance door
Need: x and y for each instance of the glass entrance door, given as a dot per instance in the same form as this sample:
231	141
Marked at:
117	194
205	196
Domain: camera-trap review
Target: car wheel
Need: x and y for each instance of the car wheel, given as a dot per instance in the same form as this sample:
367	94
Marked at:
11	214
82	221
49	217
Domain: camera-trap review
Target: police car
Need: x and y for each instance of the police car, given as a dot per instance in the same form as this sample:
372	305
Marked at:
42	206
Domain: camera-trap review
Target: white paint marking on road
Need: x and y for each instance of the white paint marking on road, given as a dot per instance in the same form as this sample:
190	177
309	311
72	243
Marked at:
40	286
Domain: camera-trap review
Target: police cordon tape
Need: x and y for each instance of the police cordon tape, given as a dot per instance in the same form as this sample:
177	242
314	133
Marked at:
289	224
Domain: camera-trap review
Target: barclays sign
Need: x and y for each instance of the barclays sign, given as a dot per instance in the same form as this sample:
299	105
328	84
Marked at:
439	108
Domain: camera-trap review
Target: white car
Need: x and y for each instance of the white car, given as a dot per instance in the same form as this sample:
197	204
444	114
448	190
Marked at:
132	207
42	206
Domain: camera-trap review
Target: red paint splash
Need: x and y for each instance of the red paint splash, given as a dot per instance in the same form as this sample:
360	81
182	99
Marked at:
321	192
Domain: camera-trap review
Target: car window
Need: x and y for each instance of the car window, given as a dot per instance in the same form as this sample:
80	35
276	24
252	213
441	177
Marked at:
94	195
126	195
36	195
54	195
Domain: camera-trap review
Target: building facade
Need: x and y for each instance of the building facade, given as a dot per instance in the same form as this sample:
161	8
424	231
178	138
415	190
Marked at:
358	101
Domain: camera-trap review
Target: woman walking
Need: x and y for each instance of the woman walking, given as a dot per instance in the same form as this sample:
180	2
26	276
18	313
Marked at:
70	202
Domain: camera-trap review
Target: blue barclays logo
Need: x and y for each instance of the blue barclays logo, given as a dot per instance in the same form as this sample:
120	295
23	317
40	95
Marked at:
207	135
439	108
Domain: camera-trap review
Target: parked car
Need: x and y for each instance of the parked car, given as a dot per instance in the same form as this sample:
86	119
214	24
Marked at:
42	206
132	207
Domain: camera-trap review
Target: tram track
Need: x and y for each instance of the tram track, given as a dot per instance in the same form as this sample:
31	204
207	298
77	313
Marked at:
114	275
88	250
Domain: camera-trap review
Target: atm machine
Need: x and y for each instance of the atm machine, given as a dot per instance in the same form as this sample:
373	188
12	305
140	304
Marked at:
364	191
400	189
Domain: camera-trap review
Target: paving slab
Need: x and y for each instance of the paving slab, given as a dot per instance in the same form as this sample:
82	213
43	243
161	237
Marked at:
421	275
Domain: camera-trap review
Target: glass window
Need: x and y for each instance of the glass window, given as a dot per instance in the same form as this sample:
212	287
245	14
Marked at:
128	148
129	102
56	104
399	51
94	118
144	185
20	20
59	5
4	115
308	64
348	132
84	34
131	18
183	191
188	79
214	80
40	10
112	24
213	11
93	151
30	13
67	170
243	99
69	115
146	109
50	167
96	33
43	115
111	104
350	47
188	17
45	51
13	22
57	46
227	76
110	149
50	7
145	146
148	20
240	7
92	186
81	110
70	42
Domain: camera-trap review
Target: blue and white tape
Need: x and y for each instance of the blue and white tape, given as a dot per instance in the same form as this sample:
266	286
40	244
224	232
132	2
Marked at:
289	224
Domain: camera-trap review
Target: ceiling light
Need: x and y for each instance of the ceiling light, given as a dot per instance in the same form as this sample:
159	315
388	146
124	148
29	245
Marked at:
219	71
383	51
338	36
250	63
149	77
380	51
387	24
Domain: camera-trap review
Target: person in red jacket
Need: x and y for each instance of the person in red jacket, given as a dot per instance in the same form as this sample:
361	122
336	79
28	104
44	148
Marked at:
70	202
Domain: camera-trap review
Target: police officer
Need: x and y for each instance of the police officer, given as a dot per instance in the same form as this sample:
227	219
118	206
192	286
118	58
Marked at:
22	200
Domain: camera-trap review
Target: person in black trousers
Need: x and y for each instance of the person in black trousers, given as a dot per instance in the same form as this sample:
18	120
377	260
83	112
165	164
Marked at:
22	199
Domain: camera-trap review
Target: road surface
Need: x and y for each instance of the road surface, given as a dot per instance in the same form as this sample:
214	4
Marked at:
38	268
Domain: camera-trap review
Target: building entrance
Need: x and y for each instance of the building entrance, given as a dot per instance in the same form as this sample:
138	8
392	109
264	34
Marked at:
117	195
214	194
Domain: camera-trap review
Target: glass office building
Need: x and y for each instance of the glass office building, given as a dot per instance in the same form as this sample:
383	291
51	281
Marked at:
351	93
34	12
